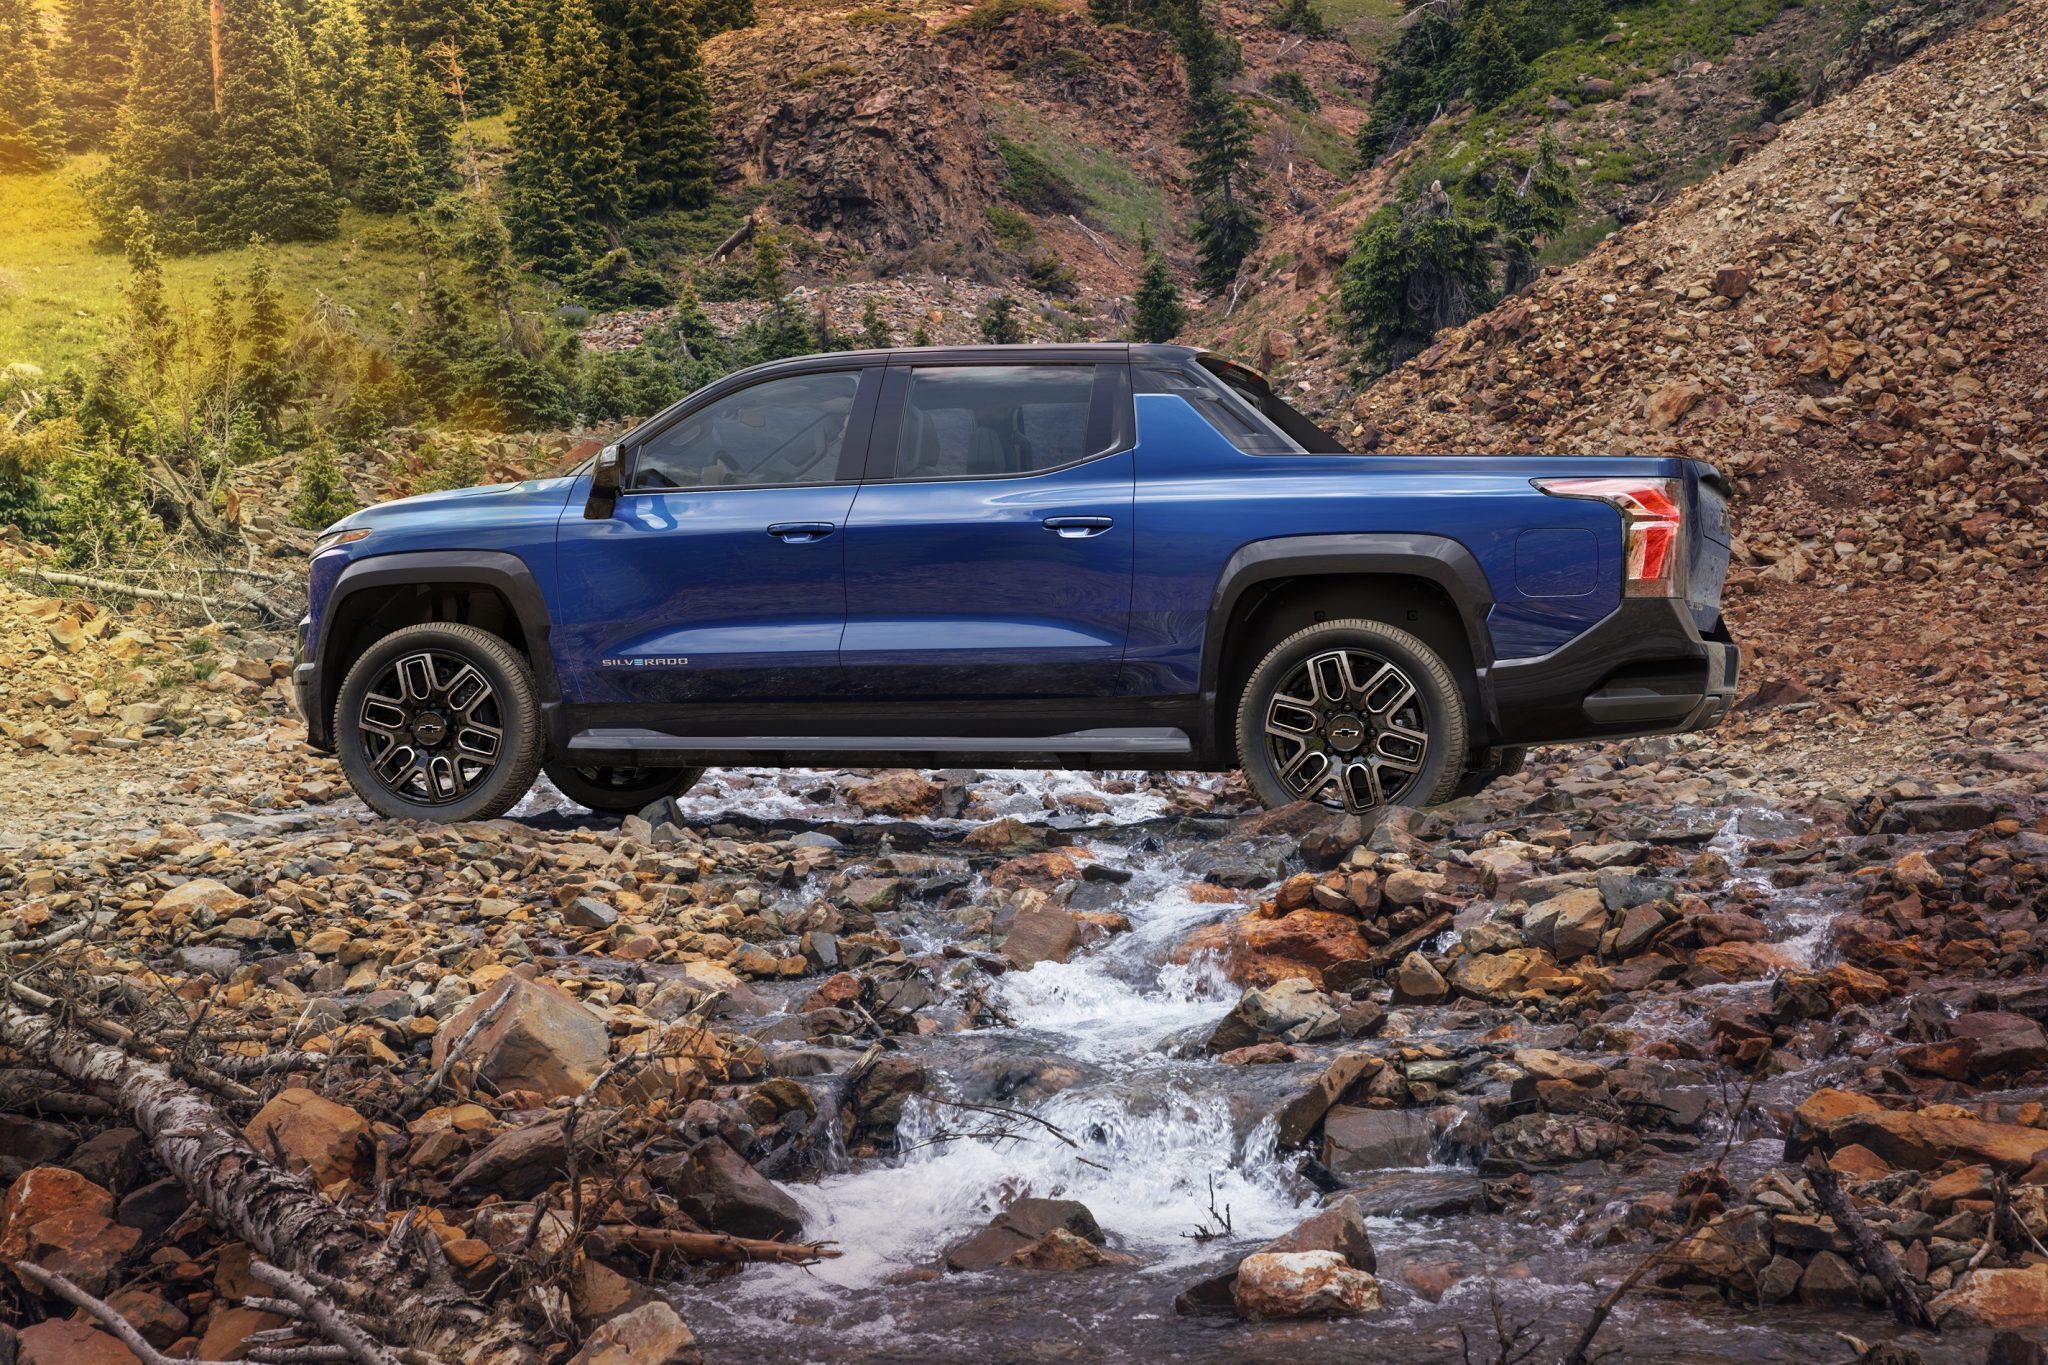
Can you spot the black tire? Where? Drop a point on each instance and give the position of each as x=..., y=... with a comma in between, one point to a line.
x=416, y=713
x=1361, y=714
x=619, y=791
x=1477, y=780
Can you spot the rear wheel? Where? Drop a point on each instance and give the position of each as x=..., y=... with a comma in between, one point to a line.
x=618, y=790
x=439, y=722
x=1352, y=714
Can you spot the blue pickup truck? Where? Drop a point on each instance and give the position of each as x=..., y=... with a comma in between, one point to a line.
x=1111, y=556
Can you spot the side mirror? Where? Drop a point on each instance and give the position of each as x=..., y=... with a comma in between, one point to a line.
x=604, y=486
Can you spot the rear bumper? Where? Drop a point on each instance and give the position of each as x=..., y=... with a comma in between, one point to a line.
x=1644, y=670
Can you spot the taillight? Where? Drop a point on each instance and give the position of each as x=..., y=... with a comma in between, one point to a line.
x=1652, y=517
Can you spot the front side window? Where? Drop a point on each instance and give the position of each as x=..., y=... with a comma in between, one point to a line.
x=784, y=431
x=977, y=421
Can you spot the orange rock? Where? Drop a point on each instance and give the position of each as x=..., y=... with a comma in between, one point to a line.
x=1923, y=1142
x=1999, y=1300
x=1859, y=1162
x=229, y=1328
x=328, y=1141
x=66, y=1341
x=61, y=1221
x=1743, y=961
x=1316, y=938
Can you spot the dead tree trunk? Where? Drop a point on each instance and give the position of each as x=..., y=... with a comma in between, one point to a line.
x=278, y=1214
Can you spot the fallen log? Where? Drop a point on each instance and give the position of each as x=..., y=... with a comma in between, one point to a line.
x=1868, y=1246
x=278, y=1214
x=79, y=580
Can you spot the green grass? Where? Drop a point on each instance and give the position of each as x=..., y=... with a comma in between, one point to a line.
x=989, y=13
x=1117, y=199
x=65, y=288
x=1369, y=24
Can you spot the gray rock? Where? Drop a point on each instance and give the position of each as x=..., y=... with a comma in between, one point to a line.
x=1621, y=890
x=587, y=912
x=1417, y=1194
x=1358, y=1140
x=201, y=959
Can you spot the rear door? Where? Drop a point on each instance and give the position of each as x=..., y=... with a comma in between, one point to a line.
x=722, y=574
x=988, y=554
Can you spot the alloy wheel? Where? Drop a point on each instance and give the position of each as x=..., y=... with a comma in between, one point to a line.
x=432, y=727
x=1347, y=725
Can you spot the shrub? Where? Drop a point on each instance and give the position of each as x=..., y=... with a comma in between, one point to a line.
x=322, y=496
x=999, y=324
x=1299, y=16
x=100, y=510
x=1290, y=87
x=1415, y=267
x=1779, y=87
x=1033, y=182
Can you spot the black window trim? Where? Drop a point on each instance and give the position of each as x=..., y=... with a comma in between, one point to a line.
x=1111, y=419
x=852, y=455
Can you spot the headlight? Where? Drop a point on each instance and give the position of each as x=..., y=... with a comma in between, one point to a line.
x=335, y=538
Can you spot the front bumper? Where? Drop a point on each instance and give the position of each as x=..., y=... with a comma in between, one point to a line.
x=1644, y=670
x=306, y=689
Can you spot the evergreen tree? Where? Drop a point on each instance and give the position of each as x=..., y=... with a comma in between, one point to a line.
x=1590, y=19
x=1493, y=68
x=261, y=178
x=873, y=330
x=163, y=127
x=1419, y=73
x=1299, y=16
x=709, y=18
x=1415, y=267
x=322, y=496
x=1530, y=204
x=479, y=31
x=336, y=89
x=1221, y=135
x=30, y=137
x=999, y=325
x=1157, y=314
x=408, y=148
x=268, y=380
x=568, y=182
x=664, y=109
x=90, y=66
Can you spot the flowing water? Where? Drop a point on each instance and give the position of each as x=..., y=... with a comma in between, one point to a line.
x=1160, y=1142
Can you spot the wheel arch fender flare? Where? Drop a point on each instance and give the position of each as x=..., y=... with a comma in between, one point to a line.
x=505, y=573
x=1439, y=560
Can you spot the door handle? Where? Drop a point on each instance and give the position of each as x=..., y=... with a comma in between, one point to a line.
x=801, y=532
x=1077, y=528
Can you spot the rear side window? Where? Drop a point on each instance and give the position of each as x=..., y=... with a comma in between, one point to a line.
x=988, y=421
x=1230, y=418
x=784, y=431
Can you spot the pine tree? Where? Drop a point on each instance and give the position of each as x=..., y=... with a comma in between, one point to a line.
x=322, y=496
x=1299, y=16
x=268, y=379
x=1531, y=204
x=568, y=181
x=664, y=109
x=709, y=18
x=261, y=178
x=1221, y=135
x=1157, y=314
x=481, y=32
x=163, y=128
x=1493, y=69
x=90, y=67
x=408, y=149
x=999, y=325
x=336, y=90
x=1415, y=267
x=873, y=330
x=30, y=137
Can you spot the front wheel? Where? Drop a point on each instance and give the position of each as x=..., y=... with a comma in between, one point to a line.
x=439, y=722
x=1352, y=714
x=620, y=791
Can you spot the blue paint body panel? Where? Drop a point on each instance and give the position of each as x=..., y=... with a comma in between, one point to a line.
x=952, y=602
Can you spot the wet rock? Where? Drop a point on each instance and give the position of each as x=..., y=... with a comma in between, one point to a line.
x=902, y=793
x=1569, y=924
x=1259, y=1054
x=2002, y=1042
x=1291, y=1011
x=1418, y=982
x=1408, y=886
x=714, y=1185
x=1923, y=1141
x=1942, y=815
x=326, y=1140
x=1300, y=1115
x=1357, y=1141
x=1006, y=836
x=1024, y=1223
x=1417, y=1194
x=1060, y=1249
x=1312, y=938
x=1040, y=933
x=1302, y=1284
x=518, y=1163
x=1497, y=976
x=2011, y=1299
x=540, y=1039
x=651, y=1334
x=1729, y=1255
x=1829, y=1282
x=1778, y=1280
x=1339, y=1227
x=1620, y=890
x=27, y=1142
x=1549, y=1139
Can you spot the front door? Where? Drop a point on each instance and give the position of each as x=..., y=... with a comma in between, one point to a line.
x=988, y=553
x=721, y=575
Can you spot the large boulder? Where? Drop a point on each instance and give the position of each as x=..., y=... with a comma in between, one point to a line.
x=1999, y=1300
x=715, y=1185
x=1317, y=939
x=538, y=1039
x=1357, y=1141
x=1293, y=1010
x=67, y=1341
x=1040, y=933
x=651, y=1334
x=326, y=1140
x=1302, y=1284
x=904, y=793
x=61, y=1221
x=1300, y=1115
x=1923, y=1141
x=2001, y=1042
x=1025, y=1224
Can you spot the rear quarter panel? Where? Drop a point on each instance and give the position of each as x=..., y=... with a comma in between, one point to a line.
x=1554, y=564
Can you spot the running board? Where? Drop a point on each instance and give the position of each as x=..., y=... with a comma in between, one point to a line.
x=1136, y=747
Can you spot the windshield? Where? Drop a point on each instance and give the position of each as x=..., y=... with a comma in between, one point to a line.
x=1258, y=394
